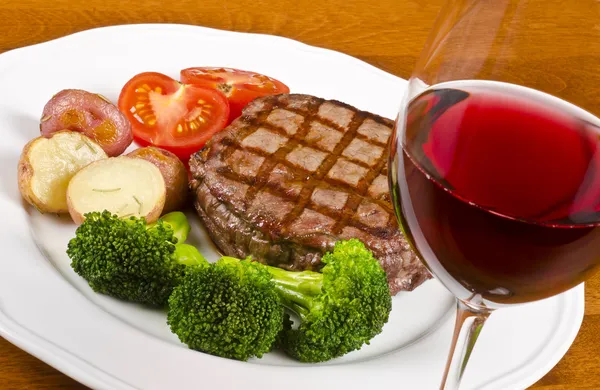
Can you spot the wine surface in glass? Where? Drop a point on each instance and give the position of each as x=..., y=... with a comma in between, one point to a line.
x=500, y=190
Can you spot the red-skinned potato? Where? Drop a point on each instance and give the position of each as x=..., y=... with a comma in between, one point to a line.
x=173, y=171
x=91, y=114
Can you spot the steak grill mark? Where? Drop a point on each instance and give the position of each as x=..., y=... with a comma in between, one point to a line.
x=258, y=183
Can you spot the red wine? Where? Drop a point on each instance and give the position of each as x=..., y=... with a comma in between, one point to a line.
x=500, y=190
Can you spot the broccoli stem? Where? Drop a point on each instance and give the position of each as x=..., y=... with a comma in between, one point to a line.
x=297, y=289
x=188, y=255
x=178, y=223
x=293, y=306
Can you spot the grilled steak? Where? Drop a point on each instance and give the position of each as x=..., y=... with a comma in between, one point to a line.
x=294, y=174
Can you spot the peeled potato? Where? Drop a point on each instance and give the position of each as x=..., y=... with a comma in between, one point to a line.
x=123, y=185
x=47, y=164
x=173, y=171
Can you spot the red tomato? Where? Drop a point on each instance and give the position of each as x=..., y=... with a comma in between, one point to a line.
x=240, y=86
x=171, y=115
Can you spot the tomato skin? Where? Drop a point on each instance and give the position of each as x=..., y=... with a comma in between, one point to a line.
x=240, y=86
x=167, y=114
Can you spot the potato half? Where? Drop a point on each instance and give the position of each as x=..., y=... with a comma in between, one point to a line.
x=125, y=186
x=47, y=165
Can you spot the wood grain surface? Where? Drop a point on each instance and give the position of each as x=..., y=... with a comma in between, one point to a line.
x=389, y=34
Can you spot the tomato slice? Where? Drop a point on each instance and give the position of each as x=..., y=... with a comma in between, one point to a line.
x=170, y=115
x=240, y=86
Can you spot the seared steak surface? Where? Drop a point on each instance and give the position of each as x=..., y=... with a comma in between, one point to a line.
x=294, y=174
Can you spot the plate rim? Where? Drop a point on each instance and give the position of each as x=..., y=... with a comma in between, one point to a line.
x=75, y=366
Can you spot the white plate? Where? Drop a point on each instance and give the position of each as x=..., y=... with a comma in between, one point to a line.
x=50, y=312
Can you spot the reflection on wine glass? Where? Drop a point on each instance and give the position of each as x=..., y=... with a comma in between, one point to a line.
x=495, y=171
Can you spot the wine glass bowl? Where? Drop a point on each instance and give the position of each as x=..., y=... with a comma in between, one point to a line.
x=495, y=161
x=501, y=186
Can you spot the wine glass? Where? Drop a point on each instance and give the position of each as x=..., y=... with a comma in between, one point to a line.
x=495, y=157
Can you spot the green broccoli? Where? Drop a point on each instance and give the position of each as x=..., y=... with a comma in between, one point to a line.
x=131, y=260
x=341, y=308
x=231, y=309
x=178, y=223
x=227, y=310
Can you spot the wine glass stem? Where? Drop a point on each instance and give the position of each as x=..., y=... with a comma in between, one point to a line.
x=469, y=322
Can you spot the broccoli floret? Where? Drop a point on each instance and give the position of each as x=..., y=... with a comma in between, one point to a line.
x=228, y=309
x=234, y=308
x=341, y=308
x=131, y=260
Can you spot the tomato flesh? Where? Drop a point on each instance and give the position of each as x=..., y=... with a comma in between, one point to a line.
x=170, y=115
x=239, y=86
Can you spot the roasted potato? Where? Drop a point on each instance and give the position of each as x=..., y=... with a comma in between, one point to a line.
x=89, y=113
x=173, y=171
x=47, y=165
x=124, y=185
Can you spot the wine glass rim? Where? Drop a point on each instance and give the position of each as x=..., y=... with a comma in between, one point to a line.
x=422, y=86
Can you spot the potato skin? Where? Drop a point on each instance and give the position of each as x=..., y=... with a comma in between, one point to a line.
x=75, y=216
x=90, y=114
x=173, y=171
x=25, y=174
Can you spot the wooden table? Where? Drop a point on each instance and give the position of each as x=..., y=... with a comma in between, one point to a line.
x=386, y=33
